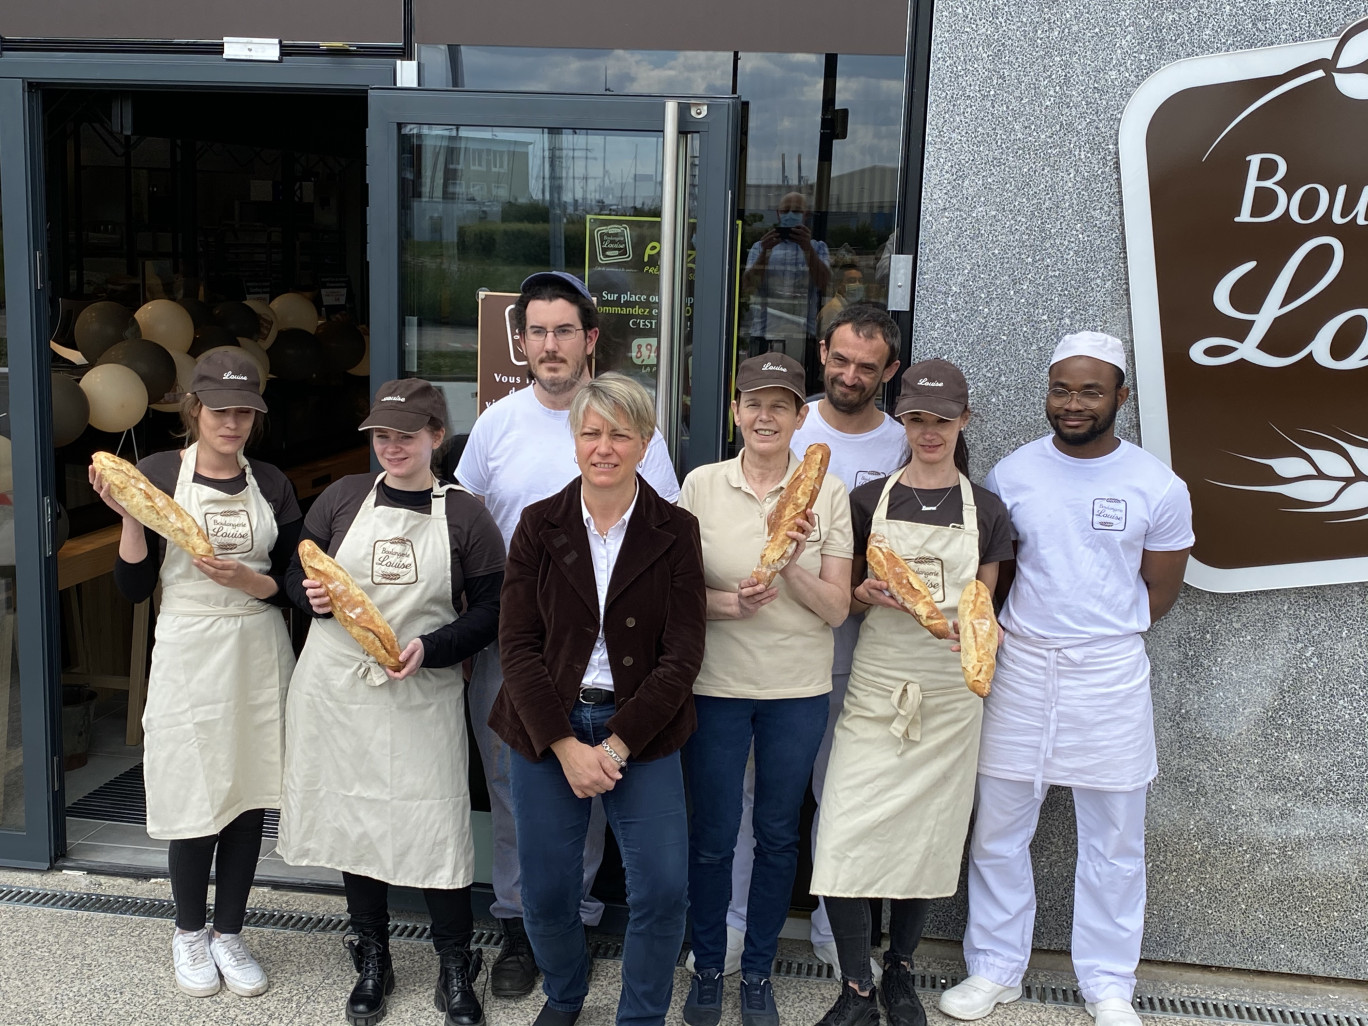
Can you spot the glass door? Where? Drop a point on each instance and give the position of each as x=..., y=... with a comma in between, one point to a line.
x=471, y=192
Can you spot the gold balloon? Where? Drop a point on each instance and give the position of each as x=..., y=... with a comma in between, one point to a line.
x=362, y=369
x=259, y=355
x=185, y=370
x=167, y=323
x=293, y=310
x=269, y=328
x=118, y=397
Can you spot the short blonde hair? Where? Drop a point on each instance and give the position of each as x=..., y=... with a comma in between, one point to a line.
x=619, y=400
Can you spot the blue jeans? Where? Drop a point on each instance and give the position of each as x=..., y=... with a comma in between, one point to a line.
x=647, y=813
x=787, y=733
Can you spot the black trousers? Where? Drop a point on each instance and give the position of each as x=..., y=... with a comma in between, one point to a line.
x=237, y=846
x=453, y=922
x=851, y=926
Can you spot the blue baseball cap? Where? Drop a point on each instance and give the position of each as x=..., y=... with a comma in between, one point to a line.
x=556, y=278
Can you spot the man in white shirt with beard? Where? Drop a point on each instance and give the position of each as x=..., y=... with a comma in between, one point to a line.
x=1103, y=533
x=519, y=452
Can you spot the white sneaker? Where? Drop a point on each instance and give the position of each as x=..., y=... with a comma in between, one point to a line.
x=196, y=973
x=736, y=942
x=975, y=998
x=826, y=952
x=240, y=970
x=1113, y=1012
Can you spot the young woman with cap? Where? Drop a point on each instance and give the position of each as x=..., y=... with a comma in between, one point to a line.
x=212, y=727
x=900, y=783
x=765, y=678
x=375, y=766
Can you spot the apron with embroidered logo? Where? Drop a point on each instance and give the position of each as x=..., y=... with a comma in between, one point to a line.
x=213, y=724
x=900, y=783
x=375, y=769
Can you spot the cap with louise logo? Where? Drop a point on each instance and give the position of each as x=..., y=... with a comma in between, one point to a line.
x=228, y=379
x=933, y=386
x=406, y=405
x=771, y=370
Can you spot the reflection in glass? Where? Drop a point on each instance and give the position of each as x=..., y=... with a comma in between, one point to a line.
x=11, y=736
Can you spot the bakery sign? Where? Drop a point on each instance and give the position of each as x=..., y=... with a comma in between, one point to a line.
x=1245, y=185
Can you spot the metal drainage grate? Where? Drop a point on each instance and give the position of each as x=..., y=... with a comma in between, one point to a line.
x=611, y=949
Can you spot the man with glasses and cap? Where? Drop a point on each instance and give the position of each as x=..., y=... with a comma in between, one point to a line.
x=1103, y=532
x=521, y=451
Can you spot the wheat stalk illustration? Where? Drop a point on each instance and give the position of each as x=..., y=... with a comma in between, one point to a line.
x=1330, y=481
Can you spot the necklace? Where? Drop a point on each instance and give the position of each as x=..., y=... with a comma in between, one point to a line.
x=938, y=505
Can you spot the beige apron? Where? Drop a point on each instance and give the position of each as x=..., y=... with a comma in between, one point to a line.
x=375, y=769
x=212, y=725
x=900, y=783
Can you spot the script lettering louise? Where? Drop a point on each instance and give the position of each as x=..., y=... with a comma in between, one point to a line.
x=1263, y=200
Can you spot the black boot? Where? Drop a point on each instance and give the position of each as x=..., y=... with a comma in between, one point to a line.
x=456, y=987
x=852, y=1009
x=515, y=970
x=900, y=999
x=371, y=955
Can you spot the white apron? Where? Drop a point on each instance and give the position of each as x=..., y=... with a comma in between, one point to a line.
x=1074, y=713
x=212, y=726
x=900, y=784
x=375, y=769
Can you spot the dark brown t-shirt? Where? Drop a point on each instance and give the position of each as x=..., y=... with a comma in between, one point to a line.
x=994, y=524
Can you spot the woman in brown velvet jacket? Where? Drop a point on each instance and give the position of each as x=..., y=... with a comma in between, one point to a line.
x=601, y=636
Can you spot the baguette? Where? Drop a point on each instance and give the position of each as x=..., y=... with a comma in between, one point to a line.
x=979, y=633
x=150, y=506
x=904, y=584
x=795, y=500
x=351, y=606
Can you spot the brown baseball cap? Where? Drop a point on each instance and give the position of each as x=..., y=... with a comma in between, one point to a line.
x=933, y=386
x=406, y=405
x=227, y=380
x=771, y=370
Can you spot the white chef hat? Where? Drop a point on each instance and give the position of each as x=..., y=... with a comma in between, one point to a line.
x=1091, y=343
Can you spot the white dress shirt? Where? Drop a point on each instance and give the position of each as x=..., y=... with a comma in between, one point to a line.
x=604, y=548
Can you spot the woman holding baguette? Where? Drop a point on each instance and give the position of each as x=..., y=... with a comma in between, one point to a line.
x=375, y=757
x=765, y=676
x=900, y=784
x=213, y=723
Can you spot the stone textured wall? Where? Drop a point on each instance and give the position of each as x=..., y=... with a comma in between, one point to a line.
x=1258, y=822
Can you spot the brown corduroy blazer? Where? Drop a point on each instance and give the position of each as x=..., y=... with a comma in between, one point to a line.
x=654, y=623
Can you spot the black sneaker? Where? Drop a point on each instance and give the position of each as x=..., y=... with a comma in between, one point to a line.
x=514, y=972
x=757, y=1001
x=703, y=1006
x=852, y=1009
x=899, y=997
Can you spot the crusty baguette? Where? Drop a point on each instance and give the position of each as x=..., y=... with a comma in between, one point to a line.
x=150, y=506
x=904, y=584
x=351, y=606
x=795, y=500
x=978, y=631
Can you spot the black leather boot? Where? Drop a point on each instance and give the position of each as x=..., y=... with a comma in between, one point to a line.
x=515, y=970
x=371, y=955
x=456, y=987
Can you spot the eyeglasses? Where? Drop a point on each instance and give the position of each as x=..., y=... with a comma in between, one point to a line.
x=562, y=334
x=1088, y=398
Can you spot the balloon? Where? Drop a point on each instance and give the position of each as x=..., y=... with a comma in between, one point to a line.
x=153, y=363
x=343, y=345
x=239, y=318
x=63, y=527
x=267, y=326
x=362, y=369
x=185, y=372
x=296, y=355
x=101, y=325
x=295, y=311
x=211, y=336
x=70, y=410
x=166, y=322
x=259, y=355
x=118, y=397
x=199, y=312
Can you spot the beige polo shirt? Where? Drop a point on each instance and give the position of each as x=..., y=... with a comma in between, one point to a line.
x=785, y=649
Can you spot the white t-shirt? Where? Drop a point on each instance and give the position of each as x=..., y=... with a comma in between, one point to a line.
x=1081, y=527
x=519, y=452
x=855, y=459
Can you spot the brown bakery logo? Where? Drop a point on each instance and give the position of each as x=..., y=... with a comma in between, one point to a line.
x=229, y=531
x=393, y=561
x=932, y=572
x=1245, y=184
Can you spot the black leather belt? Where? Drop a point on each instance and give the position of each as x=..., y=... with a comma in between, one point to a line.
x=596, y=696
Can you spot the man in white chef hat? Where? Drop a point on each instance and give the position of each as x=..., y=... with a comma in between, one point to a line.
x=1103, y=532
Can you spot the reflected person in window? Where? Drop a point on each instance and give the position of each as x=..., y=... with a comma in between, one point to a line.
x=787, y=271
